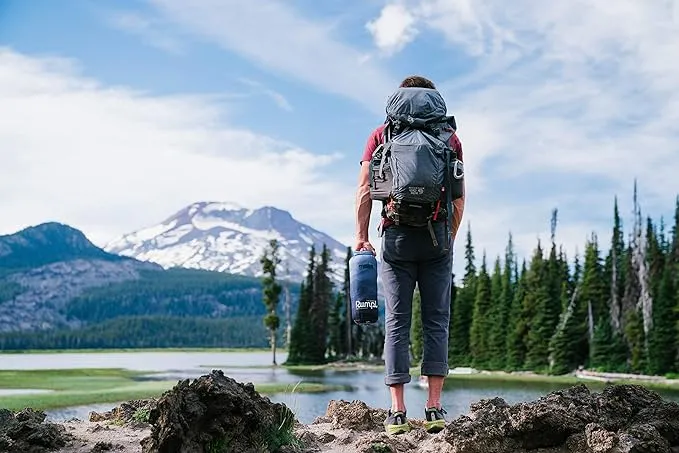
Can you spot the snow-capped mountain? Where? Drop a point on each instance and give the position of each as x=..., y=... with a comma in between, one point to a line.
x=229, y=238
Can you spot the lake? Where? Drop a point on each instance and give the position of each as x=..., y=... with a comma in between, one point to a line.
x=253, y=367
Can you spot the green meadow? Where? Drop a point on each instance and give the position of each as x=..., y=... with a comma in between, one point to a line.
x=74, y=387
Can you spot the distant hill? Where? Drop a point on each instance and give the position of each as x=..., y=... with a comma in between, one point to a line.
x=227, y=237
x=48, y=243
x=57, y=289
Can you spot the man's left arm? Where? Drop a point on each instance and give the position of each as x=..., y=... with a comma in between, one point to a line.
x=458, y=205
x=458, y=210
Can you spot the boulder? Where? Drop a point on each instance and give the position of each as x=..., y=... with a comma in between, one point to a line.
x=216, y=413
x=26, y=431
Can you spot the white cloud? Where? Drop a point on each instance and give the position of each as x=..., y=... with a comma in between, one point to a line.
x=109, y=160
x=148, y=29
x=279, y=39
x=579, y=97
x=393, y=29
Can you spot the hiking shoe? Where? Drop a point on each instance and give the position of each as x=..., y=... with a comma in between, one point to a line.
x=396, y=423
x=434, y=421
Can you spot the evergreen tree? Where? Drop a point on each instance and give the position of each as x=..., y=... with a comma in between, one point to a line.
x=458, y=348
x=272, y=290
x=615, y=272
x=299, y=336
x=674, y=247
x=554, y=280
x=593, y=290
x=497, y=315
x=608, y=350
x=416, y=339
x=338, y=330
x=673, y=263
x=655, y=257
x=506, y=300
x=347, y=321
x=662, y=349
x=320, y=306
x=536, y=305
x=478, y=340
x=517, y=327
x=335, y=327
x=569, y=340
x=451, y=319
x=633, y=327
x=302, y=336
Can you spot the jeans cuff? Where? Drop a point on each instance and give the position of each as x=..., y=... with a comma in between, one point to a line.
x=434, y=369
x=397, y=378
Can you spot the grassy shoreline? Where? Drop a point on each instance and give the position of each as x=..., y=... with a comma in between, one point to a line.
x=563, y=380
x=77, y=387
x=501, y=377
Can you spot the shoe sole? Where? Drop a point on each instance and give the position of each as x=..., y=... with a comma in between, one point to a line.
x=435, y=426
x=397, y=429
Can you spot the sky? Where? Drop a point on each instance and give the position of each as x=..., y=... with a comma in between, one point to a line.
x=116, y=114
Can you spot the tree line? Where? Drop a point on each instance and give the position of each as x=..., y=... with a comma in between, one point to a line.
x=613, y=311
x=146, y=332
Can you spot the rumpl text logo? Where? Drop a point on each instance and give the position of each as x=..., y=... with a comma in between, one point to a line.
x=363, y=304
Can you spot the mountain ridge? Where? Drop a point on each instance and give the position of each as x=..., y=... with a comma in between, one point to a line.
x=47, y=243
x=227, y=237
x=58, y=288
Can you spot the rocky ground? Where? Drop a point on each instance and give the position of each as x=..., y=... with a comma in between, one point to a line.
x=215, y=414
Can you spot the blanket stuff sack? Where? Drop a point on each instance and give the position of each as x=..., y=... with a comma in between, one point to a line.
x=363, y=287
x=415, y=172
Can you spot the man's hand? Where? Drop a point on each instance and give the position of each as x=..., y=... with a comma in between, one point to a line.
x=458, y=210
x=364, y=245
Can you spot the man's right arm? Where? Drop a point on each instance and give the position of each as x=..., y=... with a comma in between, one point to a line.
x=363, y=203
x=363, y=200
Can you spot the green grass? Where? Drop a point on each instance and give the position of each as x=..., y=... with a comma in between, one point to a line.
x=545, y=379
x=78, y=387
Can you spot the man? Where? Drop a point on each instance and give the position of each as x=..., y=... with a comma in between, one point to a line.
x=410, y=257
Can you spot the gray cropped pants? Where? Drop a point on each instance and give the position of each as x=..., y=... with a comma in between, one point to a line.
x=409, y=257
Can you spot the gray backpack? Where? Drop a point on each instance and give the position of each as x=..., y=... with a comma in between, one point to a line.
x=415, y=172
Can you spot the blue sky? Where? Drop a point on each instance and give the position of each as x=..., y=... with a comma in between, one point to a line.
x=118, y=113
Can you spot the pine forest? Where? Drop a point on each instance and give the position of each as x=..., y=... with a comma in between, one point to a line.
x=613, y=311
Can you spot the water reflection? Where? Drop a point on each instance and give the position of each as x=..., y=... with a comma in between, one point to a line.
x=8, y=392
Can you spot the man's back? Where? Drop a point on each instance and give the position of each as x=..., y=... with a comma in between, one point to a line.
x=410, y=258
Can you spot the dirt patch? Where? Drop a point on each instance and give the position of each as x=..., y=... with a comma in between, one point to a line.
x=98, y=437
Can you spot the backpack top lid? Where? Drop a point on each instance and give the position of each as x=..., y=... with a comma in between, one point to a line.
x=418, y=107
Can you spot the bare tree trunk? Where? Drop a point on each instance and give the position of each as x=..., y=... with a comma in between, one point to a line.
x=273, y=346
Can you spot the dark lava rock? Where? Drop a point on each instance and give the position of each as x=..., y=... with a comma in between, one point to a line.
x=216, y=413
x=620, y=419
x=26, y=432
x=101, y=447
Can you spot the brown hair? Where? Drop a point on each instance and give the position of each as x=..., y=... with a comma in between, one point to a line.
x=417, y=82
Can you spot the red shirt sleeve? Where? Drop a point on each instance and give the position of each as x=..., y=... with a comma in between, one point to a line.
x=373, y=142
x=457, y=146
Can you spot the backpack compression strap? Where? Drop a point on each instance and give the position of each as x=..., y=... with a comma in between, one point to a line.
x=449, y=201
